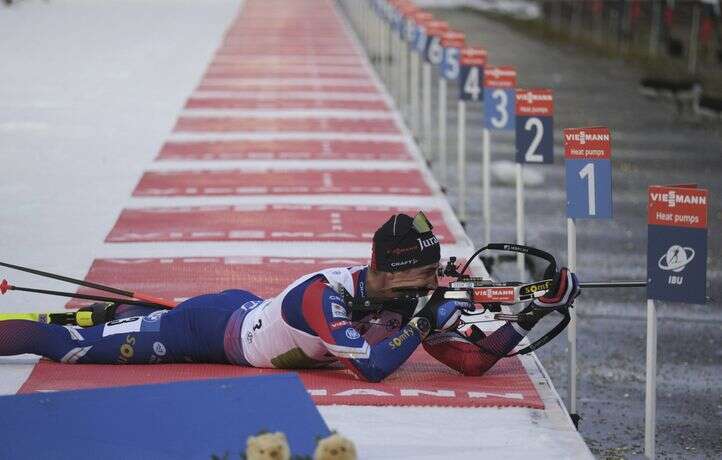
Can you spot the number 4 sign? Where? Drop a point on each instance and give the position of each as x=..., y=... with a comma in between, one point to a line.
x=472, y=73
x=534, y=126
x=588, y=153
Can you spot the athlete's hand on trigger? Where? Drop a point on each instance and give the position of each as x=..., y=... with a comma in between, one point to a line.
x=443, y=314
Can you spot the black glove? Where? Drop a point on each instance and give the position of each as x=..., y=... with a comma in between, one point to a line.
x=561, y=294
x=443, y=313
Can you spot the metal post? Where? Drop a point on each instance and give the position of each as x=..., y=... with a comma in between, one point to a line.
x=650, y=400
x=461, y=160
x=520, y=217
x=403, y=78
x=426, y=104
x=694, y=40
x=572, y=327
x=415, y=122
x=486, y=182
x=654, y=31
x=443, y=173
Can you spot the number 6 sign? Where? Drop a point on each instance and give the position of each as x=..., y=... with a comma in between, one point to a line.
x=534, y=126
x=587, y=154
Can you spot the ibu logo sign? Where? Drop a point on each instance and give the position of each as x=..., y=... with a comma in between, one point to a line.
x=534, y=126
x=471, y=75
x=434, y=52
x=451, y=42
x=677, y=243
x=499, y=98
x=587, y=154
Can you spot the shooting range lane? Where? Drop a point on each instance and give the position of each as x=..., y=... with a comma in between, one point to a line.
x=259, y=223
x=284, y=150
x=285, y=182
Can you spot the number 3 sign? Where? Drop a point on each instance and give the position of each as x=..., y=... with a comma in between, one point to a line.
x=587, y=154
x=499, y=84
x=534, y=126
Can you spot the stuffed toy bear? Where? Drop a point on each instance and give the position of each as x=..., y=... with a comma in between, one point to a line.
x=335, y=447
x=268, y=446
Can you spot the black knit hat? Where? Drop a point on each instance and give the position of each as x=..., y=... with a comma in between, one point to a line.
x=403, y=243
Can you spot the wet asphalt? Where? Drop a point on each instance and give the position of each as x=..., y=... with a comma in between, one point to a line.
x=652, y=144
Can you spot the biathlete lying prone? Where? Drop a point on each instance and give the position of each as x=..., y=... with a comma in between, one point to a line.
x=315, y=321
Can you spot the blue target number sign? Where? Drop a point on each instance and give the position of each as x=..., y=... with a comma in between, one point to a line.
x=499, y=98
x=534, y=126
x=433, y=51
x=587, y=154
x=471, y=75
x=451, y=44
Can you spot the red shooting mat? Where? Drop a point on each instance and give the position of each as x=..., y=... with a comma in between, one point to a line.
x=315, y=223
x=284, y=150
x=284, y=182
x=182, y=277
x=421, y=381
x=308, y=125
x=264, y=72
x=280, y=103
x=283, y=87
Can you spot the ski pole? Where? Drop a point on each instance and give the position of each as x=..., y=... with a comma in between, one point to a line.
x=101, y=287
x=5, y=286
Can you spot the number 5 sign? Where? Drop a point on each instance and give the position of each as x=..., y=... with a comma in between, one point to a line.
x=588, y=154
x=499, y=84
x=472, y=74
x=534, y=126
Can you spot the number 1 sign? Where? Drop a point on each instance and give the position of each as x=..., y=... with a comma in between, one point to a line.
x=588, y=153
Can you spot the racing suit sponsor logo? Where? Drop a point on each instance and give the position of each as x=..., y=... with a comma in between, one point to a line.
x=396, y=342
x=338, y=311
x=352, y=333
x=159, y=349
x=126, y=350
x=336, y=325
x=249, y=337
x=155, y=316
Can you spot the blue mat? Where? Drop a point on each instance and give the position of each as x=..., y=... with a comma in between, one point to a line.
x=178, y=420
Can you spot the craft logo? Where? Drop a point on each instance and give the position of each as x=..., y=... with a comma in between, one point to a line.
x=428, y=242
x=584, y=137
x=672, y=198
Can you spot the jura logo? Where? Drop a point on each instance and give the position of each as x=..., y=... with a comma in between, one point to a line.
x=427, y=243
x=672, y=198
x=584, y=137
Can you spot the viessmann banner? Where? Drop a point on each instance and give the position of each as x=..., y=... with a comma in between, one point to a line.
x=677, y=243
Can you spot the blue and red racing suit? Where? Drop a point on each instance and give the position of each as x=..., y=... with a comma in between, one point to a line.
x=308, y=325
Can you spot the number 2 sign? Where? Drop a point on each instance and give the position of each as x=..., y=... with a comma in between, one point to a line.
x=499, y=84
x=534, y=126
x=587, y=154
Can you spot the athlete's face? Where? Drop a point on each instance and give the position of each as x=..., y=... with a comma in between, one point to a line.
x=419, y=278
